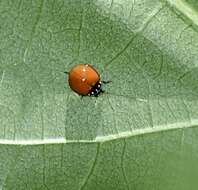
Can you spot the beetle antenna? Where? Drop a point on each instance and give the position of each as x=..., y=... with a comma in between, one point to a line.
x=106, y=82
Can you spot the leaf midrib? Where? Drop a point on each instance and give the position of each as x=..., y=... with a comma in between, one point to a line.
x=107, y=138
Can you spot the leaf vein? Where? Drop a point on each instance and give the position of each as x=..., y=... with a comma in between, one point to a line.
x=92, y=168
x=33, y=30
x=133, y=38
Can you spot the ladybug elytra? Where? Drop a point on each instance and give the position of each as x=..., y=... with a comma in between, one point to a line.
x=85, y=80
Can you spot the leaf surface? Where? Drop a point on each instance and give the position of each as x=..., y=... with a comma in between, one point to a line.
x=140, y=134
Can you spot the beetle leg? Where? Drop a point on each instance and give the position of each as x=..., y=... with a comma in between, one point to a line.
x=81, y=97
x=102, y=91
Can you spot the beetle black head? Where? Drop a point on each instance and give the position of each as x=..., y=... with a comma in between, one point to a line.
x=96, y=89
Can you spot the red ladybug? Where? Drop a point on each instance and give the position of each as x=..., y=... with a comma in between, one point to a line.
x=85, y=80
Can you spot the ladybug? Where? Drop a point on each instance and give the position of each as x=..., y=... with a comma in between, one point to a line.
x=85, y=80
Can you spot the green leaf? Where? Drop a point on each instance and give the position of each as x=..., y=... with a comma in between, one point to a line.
x=141, y=134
